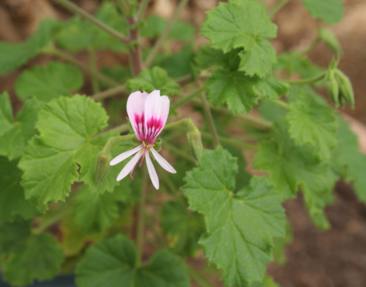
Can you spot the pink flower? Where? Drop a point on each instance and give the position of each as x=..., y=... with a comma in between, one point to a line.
x=148, y=114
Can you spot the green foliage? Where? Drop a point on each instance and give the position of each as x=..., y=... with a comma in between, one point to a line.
x=182, y=227
x=240, y=227
x=77, y=34
x=312, y=122
x=112, y=262
x=62, y=80
x=14, y=55
x=55, y=159
x=296, y=169
x=96, y=212
x=154, y=79
x=12, y=199
x=330, y=11
x=340, y=88
x=40, y=258
x=13, y=236
x=243, y=24
x=348, y=161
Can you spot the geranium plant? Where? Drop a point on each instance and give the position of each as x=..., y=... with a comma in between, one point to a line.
x=239, y=127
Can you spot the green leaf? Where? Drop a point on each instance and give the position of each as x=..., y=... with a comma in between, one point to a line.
x=52, y=161
x=77, y=34
x=39, y=259
x=14, y=55
x=232, y=217
x=48, y=82
x=243, y=24
x=178, y=64
x=182, y=227
x=312, y=122
x=239, y=92
x=96, y=212
x=330, y=11
x=12, y=199
x=348, y=161
x=112, y=262
x=296, y=169
x=14, y=133
x=154, y=79
x=13, y=236
x=258, y=60
x=330, y=39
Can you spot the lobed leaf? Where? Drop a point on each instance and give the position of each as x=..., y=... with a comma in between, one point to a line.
x=112, y=262
x=240, y=226
x=330, y=11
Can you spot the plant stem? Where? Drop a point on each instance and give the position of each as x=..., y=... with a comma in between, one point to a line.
x=77, y=10
x=109, y=93
x=197, y=277
x=186, y=99
x=211, y=121
x=164, y=35
x=135, y=51
x=141, y=221
x=94, y=68
x=180, y=153
x=278, y=6
x=71, y=59
x=142, y=9
x=48, y=222
x=240, y=143
x=310, y=80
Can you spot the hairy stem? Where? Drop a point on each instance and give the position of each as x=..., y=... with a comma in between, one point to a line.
x=164, y=35
x=197, y=277
x=210, y=119
x=142, y=9
x=52, y=219
x=278, y=6
x=94, y=70
x=109, y=93
x=135, y=51
x=310, y=80
x=69, y=5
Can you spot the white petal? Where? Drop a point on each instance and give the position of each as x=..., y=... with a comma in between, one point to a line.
x=121, y=157
x=152, y=106
x=152, y=172
x=164, y=110
x=136, y=106
x=128, y=168
x=163, y=162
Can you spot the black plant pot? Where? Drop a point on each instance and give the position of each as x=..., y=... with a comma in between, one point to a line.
x=66, y=281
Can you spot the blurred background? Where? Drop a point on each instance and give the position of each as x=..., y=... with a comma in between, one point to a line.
x=334, y=258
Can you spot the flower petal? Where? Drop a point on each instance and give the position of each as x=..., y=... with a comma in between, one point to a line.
x=127, y=169
x=163, y=162
x=121, y=157
x=152, y=172
x=135, y=109
x=164, y=113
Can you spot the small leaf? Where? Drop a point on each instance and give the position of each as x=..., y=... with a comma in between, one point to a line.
x=330, y=11
x=312, y=122
x=39, y=259
x=112, y=263
x=154, y=79
x=328, y=37
x=48, y=82
x=231, y=217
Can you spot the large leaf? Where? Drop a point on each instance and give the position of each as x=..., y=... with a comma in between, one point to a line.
x=13, y=236
x=40, y=258
x=54, y=159
x=112, y=263
x=243, y=24
x=48, y=82
x=330, y=11
x=240, y=225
